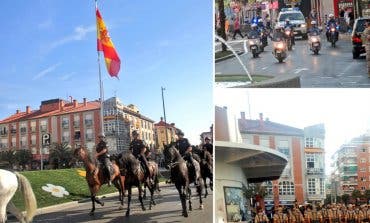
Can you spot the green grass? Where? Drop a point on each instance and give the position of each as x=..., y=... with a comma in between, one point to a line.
x=239, y=78
x=75, y=184
x=221, y=54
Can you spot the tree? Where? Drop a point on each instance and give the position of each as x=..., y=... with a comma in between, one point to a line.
x=356, y=194
x=221, y=29
x=9, y=157
x=60, y=155
x=367, y=194
x=23, y=157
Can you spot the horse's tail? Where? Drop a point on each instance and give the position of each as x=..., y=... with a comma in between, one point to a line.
x=28, y=196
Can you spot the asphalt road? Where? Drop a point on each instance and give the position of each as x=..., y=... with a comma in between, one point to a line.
x=333, y=67
x=168, y=209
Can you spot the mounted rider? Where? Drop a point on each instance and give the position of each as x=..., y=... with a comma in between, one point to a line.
x=291, y=27
x=138, y=149
x=185, y=149
x=103, y=157
x=208, y=146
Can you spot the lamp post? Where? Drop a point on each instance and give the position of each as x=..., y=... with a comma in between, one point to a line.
x=164, y=114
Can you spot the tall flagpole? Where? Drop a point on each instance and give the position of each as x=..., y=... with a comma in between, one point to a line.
x=100, y=83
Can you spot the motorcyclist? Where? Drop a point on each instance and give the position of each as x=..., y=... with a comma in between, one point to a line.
x=290, y=26
x=331, y=22
x=254, y=32
x=314, y=30
x=278, y=34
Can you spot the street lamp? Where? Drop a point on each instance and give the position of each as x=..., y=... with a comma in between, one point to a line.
x=164, y=114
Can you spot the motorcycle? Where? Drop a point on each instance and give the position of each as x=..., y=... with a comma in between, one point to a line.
x=254, y=44
x=333, y=34
x=279, y=50
x=315, y=44
x=264, y=35
x=288, y=37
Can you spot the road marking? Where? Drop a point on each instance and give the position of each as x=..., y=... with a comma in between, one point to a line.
x=326, y=77
x=354, y=76
x=300, y=70
x=264, y=68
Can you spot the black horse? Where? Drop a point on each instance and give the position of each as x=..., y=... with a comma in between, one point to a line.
x=135, y=177
x=206, y=167
x=182, y=176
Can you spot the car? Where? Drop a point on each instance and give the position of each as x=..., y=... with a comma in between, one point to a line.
x=358, y=40
x=296, y=18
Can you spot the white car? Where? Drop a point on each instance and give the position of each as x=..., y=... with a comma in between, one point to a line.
x=297, y=20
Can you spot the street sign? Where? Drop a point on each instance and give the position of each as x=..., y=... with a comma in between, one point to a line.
x=45, y=139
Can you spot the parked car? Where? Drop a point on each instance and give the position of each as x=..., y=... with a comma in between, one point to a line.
x=358, y=40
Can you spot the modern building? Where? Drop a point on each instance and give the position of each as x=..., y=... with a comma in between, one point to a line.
x=56, y=121
x=351, y=166
x=164, y=134
x=315, y=162
x=287, y=140
x=205, y=135
x=121, y=120
x=238, y=164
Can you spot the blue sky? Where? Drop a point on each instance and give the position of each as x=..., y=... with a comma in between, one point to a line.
x=48, y=50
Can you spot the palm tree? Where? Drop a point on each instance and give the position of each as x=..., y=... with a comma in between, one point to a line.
x=221, y=30
x=9, y=157
x=23, y=157
x=60, y=155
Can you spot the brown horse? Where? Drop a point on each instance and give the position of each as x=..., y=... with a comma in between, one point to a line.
x=95, y=178
x=135, y=177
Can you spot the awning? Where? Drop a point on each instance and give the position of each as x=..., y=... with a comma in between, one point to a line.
x=257, y=162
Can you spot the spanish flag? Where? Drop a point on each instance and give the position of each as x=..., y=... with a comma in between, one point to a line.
x=105, y=44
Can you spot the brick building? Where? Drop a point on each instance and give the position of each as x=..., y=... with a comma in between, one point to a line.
x=287, y=140
x=160, y=134
x=351, y=166
x=70, y=122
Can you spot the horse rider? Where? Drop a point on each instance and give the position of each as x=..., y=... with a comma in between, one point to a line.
x=261, y=216
x=298, y=215
x=184, y=148
x=208, y=146
x=138, y=148
x=103, y=156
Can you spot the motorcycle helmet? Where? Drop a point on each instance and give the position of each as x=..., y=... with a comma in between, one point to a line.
x=287, y=20
x=254, y=25
x=313, y=22
x=331, y=16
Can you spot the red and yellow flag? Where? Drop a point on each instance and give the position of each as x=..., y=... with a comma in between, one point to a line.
x=105, y=44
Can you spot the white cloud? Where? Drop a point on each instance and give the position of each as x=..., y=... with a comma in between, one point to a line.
x=45, y=71
x=78, y=34
x=66, y=76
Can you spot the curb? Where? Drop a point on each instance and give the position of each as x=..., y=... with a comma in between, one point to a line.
x=227, y=57
x=284, y=81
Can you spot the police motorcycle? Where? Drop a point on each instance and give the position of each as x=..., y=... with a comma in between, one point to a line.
x=332, y=30
x=314, y=40
x=254, y=42
x=264, y=33
x=288, y=37
x=279, y=46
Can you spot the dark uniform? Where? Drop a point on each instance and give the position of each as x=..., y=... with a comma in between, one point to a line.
x=104, y=158
x=208, y=147
x=182, y=146
x=136, y=146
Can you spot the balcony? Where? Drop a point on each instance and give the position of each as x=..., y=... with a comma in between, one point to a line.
x=88, y=122
x=349, y=183
x=315, y=171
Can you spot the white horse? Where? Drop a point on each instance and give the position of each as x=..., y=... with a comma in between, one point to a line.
x=9, y=182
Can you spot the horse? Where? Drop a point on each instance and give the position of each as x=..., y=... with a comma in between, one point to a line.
x=182, y=176
x=206, y=169
x=135, y=177
x=95, y=177
x=154, y=174
x=9, y=182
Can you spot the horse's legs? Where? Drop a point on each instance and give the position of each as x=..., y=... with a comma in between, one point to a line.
x=199, y=190
x=182, y=194
x=144, y=197
x=189, y=194
x=93, y=204
x=140, y=196
x=205, y=187
x=15, y=211
x=128, y=201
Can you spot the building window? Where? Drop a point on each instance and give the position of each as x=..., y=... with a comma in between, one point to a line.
x=363, y=150
x=43, y=126
x=322, y=186
x=286, y=188
x=363, y=188
x=311, y=186
x=309, y=142
x=363, y=160
x=268, y=186
x=65, y=123
x=88, y=120
x=264, y=142
x=77, y=135
x=310, y=160
x=89, y=134
x=363, y=179
x=65, y=137
x=33, y=139
x=283, y=147
x=363, y=169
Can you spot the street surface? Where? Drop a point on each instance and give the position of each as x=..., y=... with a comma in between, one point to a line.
x=168, y=209
x=333, y=67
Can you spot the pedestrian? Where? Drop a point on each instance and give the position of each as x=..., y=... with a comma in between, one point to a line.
x=367, y=46
x=237, y=28
x=227, y=26
x=103, y=157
